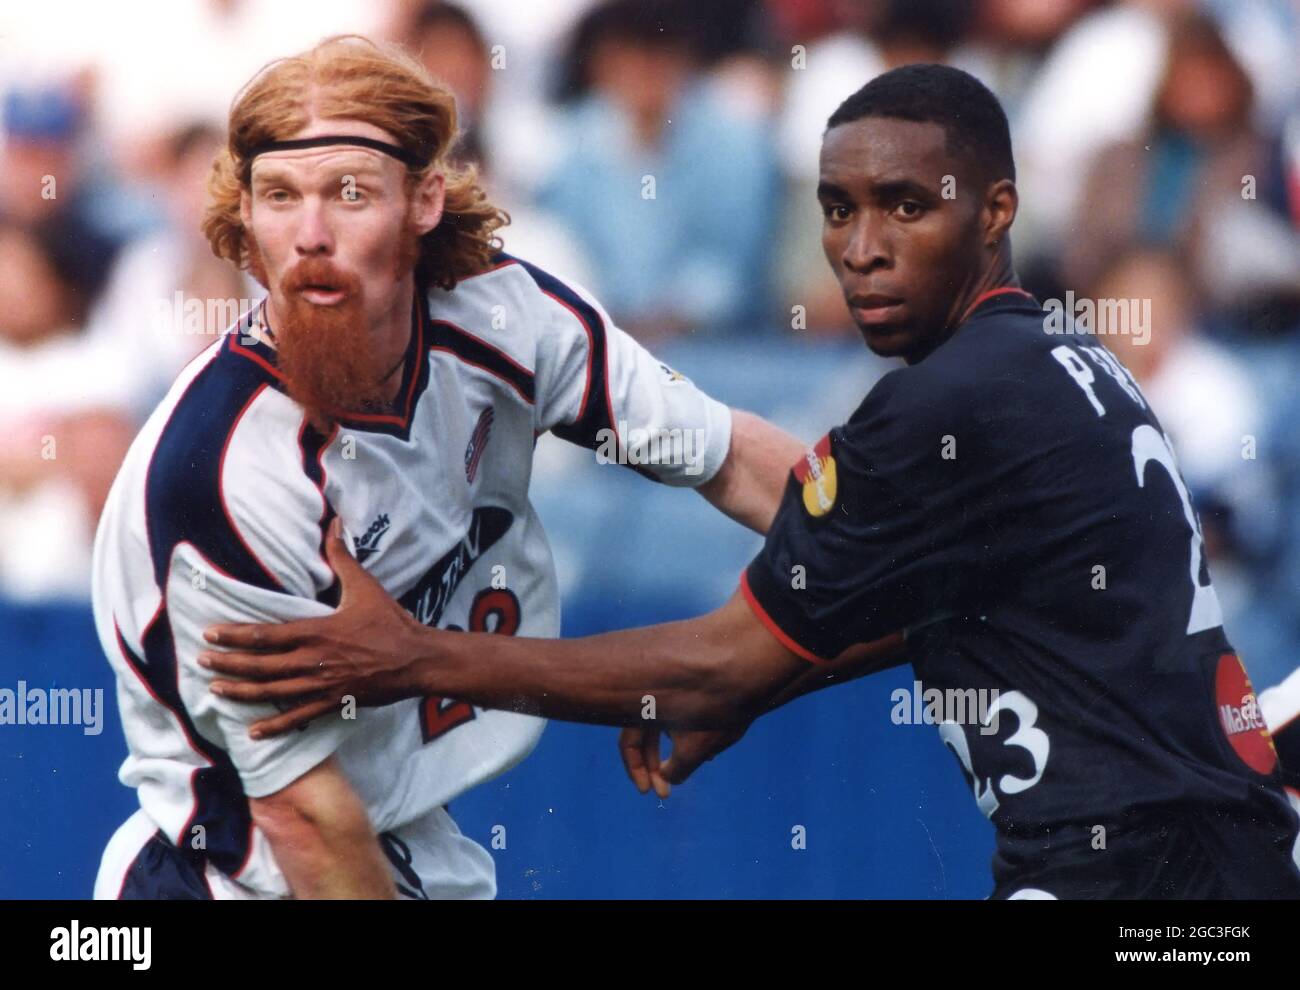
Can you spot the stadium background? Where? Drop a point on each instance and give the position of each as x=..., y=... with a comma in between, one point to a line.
x=1136, y=124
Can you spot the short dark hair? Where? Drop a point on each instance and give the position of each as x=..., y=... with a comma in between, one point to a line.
x=971, y=116
x=439, y=13
x=659, y=24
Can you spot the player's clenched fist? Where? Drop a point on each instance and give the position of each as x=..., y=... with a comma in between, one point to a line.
x=639, y=747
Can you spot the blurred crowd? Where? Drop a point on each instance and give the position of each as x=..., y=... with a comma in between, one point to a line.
x=663, y=153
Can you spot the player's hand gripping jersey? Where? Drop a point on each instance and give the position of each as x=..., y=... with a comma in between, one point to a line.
x=1013, y=503
x=219, y=513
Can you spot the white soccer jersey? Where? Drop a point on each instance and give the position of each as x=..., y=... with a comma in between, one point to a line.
x=219, y=514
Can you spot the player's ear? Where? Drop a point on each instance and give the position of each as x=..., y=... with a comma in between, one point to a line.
x=246, y=209
x=428, y=197
x=1001, y=201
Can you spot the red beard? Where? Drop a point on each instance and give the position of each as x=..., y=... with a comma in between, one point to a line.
x=325, y=353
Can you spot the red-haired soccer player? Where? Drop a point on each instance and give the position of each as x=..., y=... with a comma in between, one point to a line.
x=395, y=378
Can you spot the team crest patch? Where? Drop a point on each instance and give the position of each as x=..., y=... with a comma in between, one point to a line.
x=674, y=377
x=1239, y=714
x=477, y=441
x=816, y=472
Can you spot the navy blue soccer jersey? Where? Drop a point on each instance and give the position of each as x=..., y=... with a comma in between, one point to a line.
x=1013, y=505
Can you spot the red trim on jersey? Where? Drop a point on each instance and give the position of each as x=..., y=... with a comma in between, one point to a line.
x=148, y=470
x=324, y=479
x=591, y=355
x=248, y=855
x=482, y=367
x=491, y=347
x=781, y=636
x=983, y=296
x=590, y=361
x=256, y=358
x=161, y=609
x=221, y=485
x=130, y=866
x=180, y=722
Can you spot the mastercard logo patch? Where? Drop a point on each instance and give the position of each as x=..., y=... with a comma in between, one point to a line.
x=816, y=472
x=1240, y=716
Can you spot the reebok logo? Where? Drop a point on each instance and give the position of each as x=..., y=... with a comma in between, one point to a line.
x=367, y=543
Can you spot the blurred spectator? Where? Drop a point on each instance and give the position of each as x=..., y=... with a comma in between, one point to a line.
x=1095, y=87
x=47, y=180
x=1187, y=182
x=1207, y=404
x=160, y=63
x=1265, y=36
x=1013, y=37
x=450, y=44
x=674, y=196
x=1098, y=87
x=168, y=296
x=523, y=39
x=62, y=401
x=1202, y=395
x=872, y=38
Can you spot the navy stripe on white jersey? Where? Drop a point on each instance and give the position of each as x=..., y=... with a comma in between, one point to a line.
x=219, y=514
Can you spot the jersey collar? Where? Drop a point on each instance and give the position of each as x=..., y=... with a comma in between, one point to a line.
x=1007, y=296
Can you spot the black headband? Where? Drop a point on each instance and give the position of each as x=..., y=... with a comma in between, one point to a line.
x=401, y=154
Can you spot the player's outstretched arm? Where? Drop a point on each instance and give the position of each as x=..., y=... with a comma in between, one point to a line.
x=639, y=745
x=720, y=670
x=749, y=485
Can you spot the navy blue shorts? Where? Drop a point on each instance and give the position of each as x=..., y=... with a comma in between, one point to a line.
x=1194, y=856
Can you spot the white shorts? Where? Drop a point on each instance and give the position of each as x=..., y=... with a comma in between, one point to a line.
x=430, y=860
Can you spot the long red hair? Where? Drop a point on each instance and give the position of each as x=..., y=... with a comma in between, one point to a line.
x=352, y=77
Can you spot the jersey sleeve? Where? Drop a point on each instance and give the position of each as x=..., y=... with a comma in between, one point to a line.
x=876, y=532
x=244, y=546
x=199, y=595
x=600, y=389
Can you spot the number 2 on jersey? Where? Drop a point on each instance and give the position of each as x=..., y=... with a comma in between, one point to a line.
x=1149, y=445
x=494, y=610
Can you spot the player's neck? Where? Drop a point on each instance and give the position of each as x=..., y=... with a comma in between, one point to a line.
x=998, y=275
x=392, y=335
